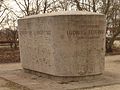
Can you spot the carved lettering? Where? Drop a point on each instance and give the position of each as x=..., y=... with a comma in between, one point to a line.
x=36, y=32
x=86, y=34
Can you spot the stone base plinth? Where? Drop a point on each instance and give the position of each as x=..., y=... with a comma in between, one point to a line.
x=63, y=79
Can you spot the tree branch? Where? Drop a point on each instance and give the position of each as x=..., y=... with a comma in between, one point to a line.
x=20, y=7
x=78, y=5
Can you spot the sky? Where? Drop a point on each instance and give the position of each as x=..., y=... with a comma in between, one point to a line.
x=12, y=5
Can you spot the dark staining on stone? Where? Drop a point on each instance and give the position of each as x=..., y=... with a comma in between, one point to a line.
x=37, y=61
x=62, y=36
x=43, y=59
x=102, y=49
x=50, y=65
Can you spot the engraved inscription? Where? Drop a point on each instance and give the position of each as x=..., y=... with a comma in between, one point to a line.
x=36, y=32
x=44, y=35
x=86, y=34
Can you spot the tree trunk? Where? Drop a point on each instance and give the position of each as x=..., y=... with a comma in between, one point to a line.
x=78, y=5
x=45, y=7
x=94, y=7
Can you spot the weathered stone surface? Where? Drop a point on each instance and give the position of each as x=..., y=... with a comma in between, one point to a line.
x=63, y=44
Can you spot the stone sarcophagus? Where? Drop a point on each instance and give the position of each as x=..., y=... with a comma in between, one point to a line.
x=63, y=43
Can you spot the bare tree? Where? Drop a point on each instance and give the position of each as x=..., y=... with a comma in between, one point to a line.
x=31, y=7
x=113, y=19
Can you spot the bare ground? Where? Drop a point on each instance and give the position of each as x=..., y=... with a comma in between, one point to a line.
x=8, y=85
x=112, y=67
x=8, y=55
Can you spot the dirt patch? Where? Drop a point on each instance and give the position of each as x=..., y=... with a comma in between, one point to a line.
x=9, y=55
x=14, y=86
x=8, y=85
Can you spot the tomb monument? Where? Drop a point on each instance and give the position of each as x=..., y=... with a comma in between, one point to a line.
x=63, y=44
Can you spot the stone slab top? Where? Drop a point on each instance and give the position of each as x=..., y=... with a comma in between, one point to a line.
x=63, y=13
